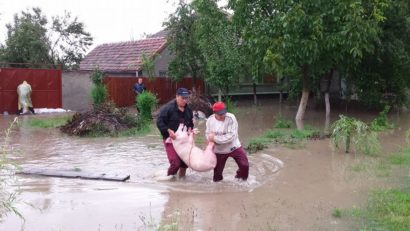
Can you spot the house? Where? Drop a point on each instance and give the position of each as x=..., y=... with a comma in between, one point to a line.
x=125, y=58
x=122, y=62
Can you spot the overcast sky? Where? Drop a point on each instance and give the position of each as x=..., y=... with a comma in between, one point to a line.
x=107, y=20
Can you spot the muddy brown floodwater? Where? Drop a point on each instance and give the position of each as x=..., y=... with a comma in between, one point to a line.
x=288, y=189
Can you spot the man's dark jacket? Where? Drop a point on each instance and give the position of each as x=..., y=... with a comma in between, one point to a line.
x=170, y=117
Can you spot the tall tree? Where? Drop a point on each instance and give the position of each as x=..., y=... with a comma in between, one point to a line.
x=31, y=39
x=219, y=44
x=27, y=40
x=187, y=60
x=308, y=38
x=68, y=40
x=383, y=77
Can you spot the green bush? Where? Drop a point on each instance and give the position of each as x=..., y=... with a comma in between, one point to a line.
x=346, y=129
x=381, y=122
x=146, y=102
x=99, y=94
x=97, y=77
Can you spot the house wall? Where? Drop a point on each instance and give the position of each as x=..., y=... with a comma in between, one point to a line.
x=161, y=67
x=76, y=88
x=162, y=62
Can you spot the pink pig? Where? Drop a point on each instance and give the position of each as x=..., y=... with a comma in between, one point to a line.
x=197, y=159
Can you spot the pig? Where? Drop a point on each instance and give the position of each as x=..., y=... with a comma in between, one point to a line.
x=196, y=158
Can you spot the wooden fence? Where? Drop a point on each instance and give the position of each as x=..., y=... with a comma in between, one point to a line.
x=121, y=92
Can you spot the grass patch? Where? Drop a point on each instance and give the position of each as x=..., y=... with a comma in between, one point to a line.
x=48, y=122
x=360, y=167
x=274, y=134
x=257, y=144
x=282, y=123
x=388, y=209
x=136, y=131
x=383, y=169
x=400, y=158
x=171, y=223
x=337, y=213
x=290, y=138
x=294, y=143
x=304, y=134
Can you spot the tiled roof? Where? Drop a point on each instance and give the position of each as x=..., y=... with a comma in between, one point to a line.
x=162, y=33
x=123, y=56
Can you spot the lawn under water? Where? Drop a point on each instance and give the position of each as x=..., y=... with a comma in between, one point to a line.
x=287, y=189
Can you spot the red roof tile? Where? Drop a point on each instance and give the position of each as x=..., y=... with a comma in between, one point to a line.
x=123, y=56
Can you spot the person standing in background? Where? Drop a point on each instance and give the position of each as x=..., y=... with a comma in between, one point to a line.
x=24, y=98
x=139, y=87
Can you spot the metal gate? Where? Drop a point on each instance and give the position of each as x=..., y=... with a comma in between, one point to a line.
x=45, y=84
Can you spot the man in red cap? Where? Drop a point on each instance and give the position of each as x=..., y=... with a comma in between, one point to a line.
x=222, y=128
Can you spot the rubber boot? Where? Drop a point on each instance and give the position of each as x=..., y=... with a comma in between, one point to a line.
x=31, y=109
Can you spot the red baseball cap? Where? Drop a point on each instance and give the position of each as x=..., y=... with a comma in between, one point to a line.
x=219, y=108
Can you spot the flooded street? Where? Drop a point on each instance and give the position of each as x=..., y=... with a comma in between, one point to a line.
x=288, y=189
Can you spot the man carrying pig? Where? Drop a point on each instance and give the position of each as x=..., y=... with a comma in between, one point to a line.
x=222, y=129
x=170, y=116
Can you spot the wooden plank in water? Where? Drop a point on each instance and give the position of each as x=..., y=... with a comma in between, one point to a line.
x=75, y=174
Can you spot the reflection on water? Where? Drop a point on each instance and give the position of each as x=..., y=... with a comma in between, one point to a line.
x=74, y=204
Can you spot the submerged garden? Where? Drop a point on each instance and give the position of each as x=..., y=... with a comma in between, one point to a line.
x=329, y=151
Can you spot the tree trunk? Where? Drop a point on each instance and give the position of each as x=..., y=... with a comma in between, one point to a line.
x=327, y=101
x=327, y=126
x=302, y=108
x=327, y=120
x=347, y=143
x=305, y=97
